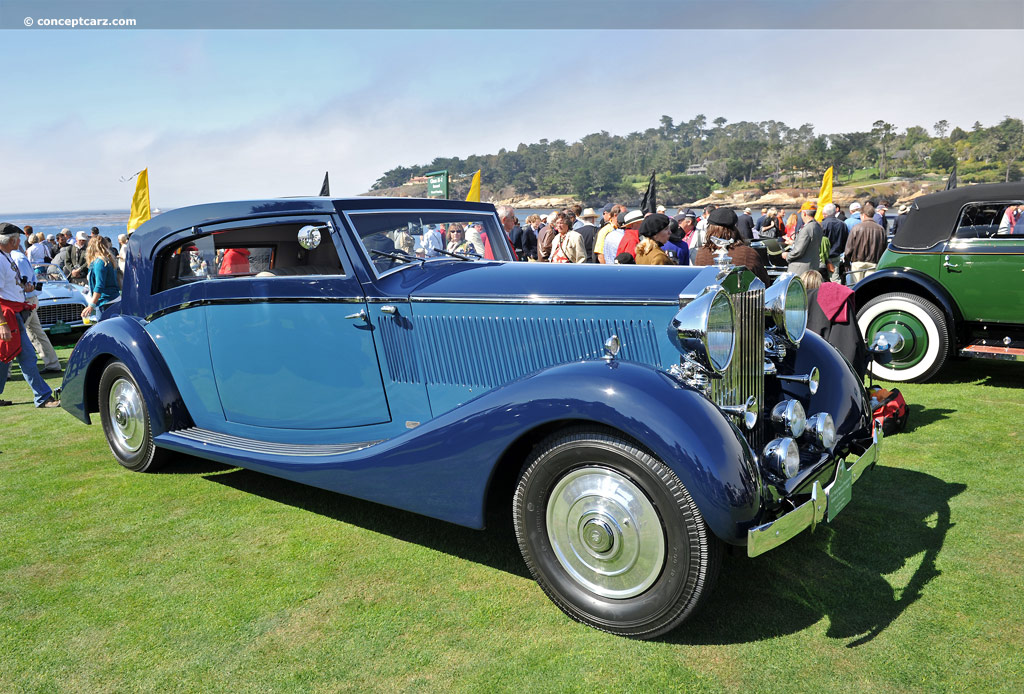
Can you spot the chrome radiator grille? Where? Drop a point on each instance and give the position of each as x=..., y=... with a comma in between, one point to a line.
x=745, y=375
x=51, y=313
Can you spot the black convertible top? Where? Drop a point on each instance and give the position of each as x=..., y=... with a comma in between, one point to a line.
x=932, y=217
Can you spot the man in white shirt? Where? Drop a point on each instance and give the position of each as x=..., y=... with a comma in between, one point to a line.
x=36, y=334
x=38, y=252
x=432, y=240
x=13, y=290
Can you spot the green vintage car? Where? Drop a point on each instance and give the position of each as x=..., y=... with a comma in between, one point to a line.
x=950, y=283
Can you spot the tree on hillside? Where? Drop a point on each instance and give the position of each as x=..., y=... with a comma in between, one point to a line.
x=883, y=134
x=941, y=128
x=1008, y=138
x=942, y=157
x=915, y=134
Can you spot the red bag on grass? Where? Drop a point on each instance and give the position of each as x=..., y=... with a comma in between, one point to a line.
x=889, y=409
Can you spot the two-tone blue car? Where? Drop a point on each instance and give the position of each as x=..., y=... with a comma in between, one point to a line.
x=635, y=421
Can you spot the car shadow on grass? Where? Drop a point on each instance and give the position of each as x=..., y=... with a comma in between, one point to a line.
x=897, y=518
x=920, y=416
x=495, y=546
x=988, y=372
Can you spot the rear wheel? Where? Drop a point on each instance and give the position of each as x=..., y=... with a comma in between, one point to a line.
x=925, y=335
x=611, y=534
x=125, y=420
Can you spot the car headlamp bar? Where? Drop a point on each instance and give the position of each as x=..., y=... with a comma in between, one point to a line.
x=706, y=328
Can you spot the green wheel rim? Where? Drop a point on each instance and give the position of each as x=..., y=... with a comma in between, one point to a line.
x=915, y=337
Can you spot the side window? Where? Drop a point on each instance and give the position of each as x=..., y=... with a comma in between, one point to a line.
x=263, y=251
x=982, y=220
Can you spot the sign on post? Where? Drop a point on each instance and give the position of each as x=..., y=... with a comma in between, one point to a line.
x=437, y=184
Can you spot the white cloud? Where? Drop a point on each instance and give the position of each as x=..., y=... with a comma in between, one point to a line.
x=491, y=99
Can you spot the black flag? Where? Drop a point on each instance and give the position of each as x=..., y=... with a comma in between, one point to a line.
x=649, y=202
x=951, y=183
x=325, y=189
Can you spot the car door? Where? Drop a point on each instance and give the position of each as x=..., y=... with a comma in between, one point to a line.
x=290, y=345
x=983, y=267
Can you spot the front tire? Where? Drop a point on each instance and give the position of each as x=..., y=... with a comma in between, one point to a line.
x=125, y=420
x=925, y=334
x=611, y=534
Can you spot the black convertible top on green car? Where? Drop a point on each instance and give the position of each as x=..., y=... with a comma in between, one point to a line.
x=951, y=282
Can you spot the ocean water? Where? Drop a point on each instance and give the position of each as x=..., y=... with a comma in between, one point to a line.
x=109, y=222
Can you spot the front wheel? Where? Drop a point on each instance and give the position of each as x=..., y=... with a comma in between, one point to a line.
x=924, y=330
x=125, y=420
x=611, y=534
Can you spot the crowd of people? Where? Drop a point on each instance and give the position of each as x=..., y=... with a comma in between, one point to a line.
x=838, y=250
x=842, y=247
x=24, y=256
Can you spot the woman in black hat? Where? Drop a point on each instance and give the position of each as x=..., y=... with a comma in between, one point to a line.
x=654, y=233
x=722, y=225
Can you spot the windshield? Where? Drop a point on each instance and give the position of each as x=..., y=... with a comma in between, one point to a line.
x=48, y=272
x=395, y=239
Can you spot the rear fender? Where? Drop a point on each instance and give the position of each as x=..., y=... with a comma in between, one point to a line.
x=122, y=339
x=910, y=281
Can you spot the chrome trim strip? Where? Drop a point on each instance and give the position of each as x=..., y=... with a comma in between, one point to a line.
x=540, y=300
x=770, y=535
x=236, y=301
x=238, y=443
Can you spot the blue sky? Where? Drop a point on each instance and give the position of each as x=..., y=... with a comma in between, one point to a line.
x=236, y=114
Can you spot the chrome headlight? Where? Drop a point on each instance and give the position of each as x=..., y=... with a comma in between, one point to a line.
x=786, y=303
x=823, y=429
x=706, y=327
x=790, y=417
x=782, y=456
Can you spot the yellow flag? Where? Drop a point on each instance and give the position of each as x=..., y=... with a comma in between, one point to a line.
x=140, y=202
x=474, y=188
x=824, y=195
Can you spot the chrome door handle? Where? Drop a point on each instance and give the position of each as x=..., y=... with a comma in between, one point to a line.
x=948, y=265
x=360, y=315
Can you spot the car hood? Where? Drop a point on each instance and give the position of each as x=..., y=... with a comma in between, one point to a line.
x=543, y=281
x=59, y=290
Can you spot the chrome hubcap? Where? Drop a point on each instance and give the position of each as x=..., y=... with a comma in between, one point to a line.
x=605, y=532
x=128, y=429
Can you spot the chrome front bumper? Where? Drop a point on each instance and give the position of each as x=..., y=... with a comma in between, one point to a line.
x=809, y=514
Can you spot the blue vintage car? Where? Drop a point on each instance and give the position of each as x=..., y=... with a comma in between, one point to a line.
x=634, y=421
x=60, y=300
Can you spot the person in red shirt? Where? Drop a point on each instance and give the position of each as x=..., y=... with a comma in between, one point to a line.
x=631, y=237
x=235, y=262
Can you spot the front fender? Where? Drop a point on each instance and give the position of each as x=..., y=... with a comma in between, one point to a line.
x=122, y=339
x=677, y=424
x=841, y=391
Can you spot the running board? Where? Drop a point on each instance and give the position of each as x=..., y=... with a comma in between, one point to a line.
x=195, y=437
x=1012, y=352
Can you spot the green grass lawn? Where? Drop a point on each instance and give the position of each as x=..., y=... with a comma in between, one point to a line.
x=204, y=578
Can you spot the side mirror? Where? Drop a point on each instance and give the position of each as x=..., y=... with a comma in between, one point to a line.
x=309, y=237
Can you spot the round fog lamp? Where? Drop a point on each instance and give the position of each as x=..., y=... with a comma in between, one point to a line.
x=782, y=456
x=823, y=429
x=789, y=416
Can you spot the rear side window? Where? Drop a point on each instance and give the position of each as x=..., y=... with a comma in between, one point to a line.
x=264, y=251
x=982, y=220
